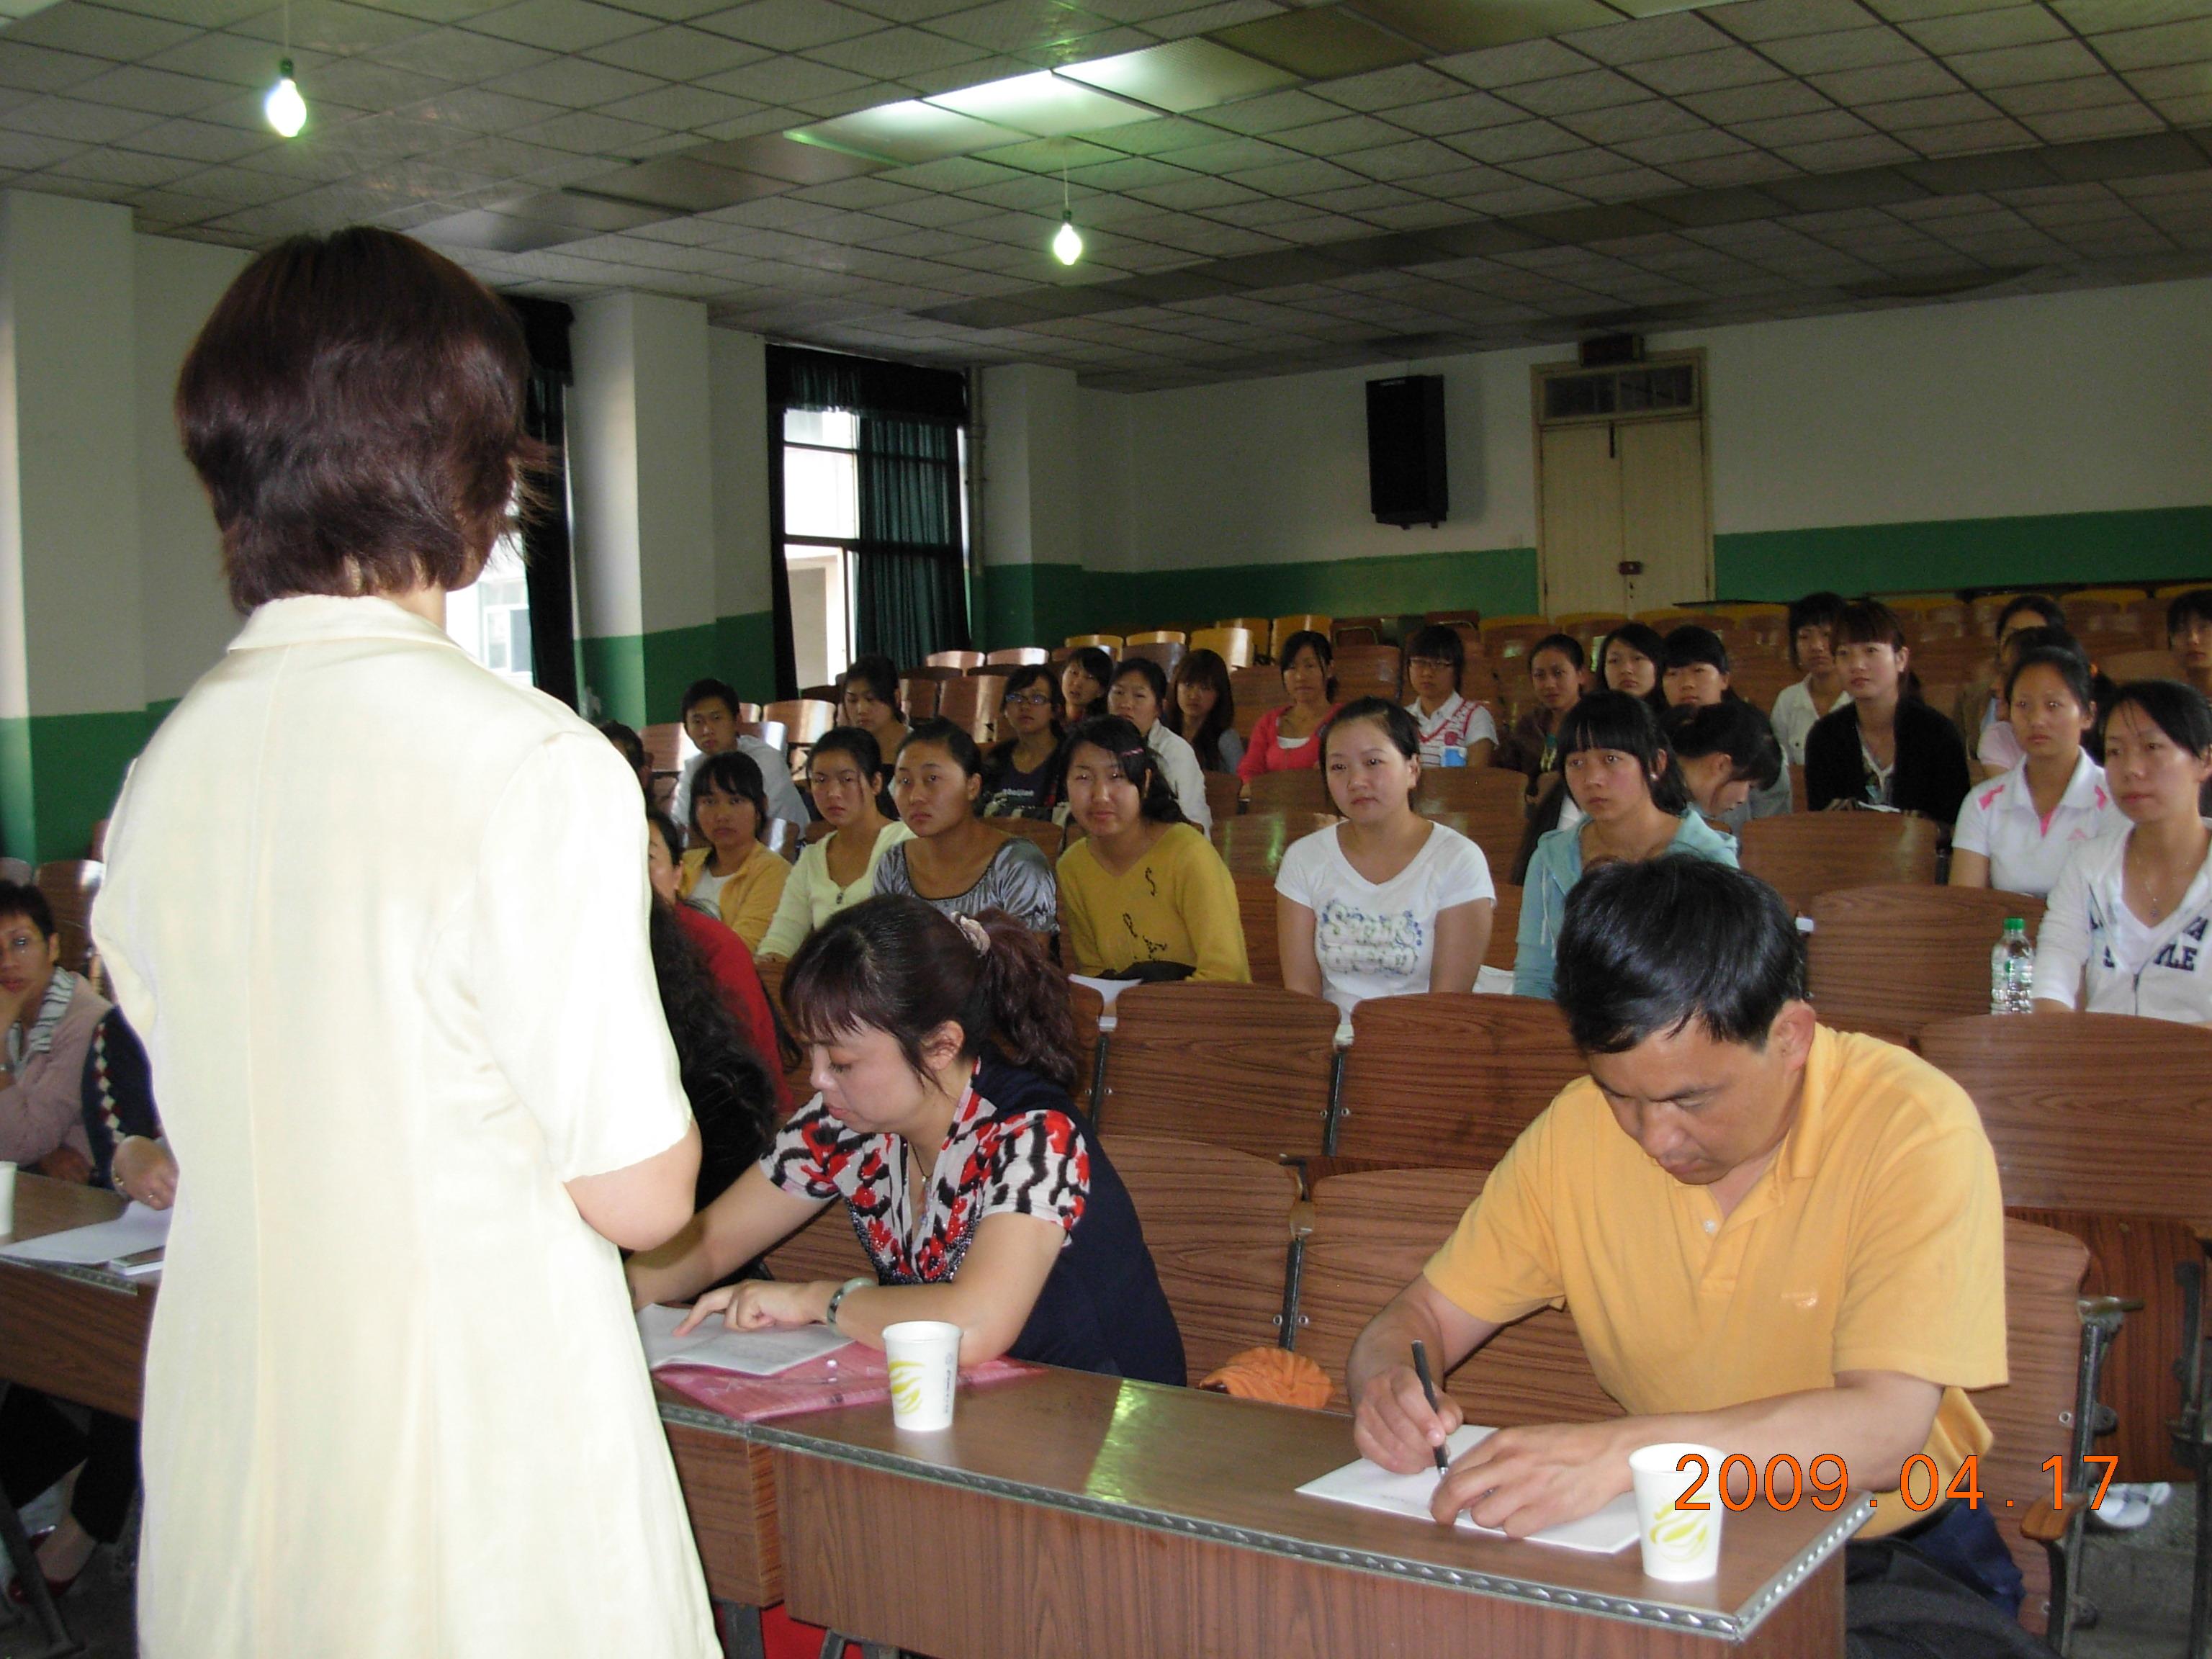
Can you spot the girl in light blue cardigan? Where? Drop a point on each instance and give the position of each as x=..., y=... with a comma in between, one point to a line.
x=1621, y=775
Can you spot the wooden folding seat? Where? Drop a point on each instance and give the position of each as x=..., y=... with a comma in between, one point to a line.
x=2109, y=1117
x=972, y=703
x=1048, y=837
x=1015, y=656
x=1511, y=636
x=2151, y=664
x=1282, y=628
x=1504, y=922
x=1803, y=854
x=71, y=885
x=1255, y=910
x=1111, y=643
x=1166, y=652
x=1086, y=1012
x=1465, y=616
x=774, y=733
x=1246, y=1066
x=1256, y=841
x=1983, y=610
x=797, y=1075
x=804, y=720
x=918, y=697
x=1367, y=671
x=963, y=660
x=1357, y=630
x=1219, y=1225
x=2166, y=592
x=1591, y=628
x=1159, y=636
x=1234, y=645
x=95, y=843
x=1898, y=957
x=1484, y=803
x=1666, y=617
x=1256, y=690
x=1759, y=680
x=667, y=746
x=1304, y=790
x=1224, y=792
x=1448, y=1077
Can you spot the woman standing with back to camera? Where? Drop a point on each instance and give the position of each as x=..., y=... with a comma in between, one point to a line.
x=395, y=1404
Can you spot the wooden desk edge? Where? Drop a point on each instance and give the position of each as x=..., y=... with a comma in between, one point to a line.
x=1733, y=1626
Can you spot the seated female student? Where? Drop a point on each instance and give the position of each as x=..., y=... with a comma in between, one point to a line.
x=956, y=860
x=1144, y=895
x=868, y=697
x=2123, y=931
x=1723, y=751
x=1697, y=676
x=844, y=773
x=1139, y=695
x=48, y=1013
x=39, y=1444
x=1436, y=658
x=1083, y=678
x=1621, y=775
x=1998, y=748
x=1558, y=673
x=1635, y=657
x=1022, y=773
x=1885, y=747
x=1813, y=654
x=734, y=878
x=943, y=1051
x=716, y=951
x=2016, y=831
x=1981, y=705
x=1283, y=739
x=1386, y=903
x=1202, y=711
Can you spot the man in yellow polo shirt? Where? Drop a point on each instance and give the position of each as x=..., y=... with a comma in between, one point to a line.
x=1772, y=1238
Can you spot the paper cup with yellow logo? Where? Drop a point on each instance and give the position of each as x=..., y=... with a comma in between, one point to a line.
x=1681, y=1545
x=923, y=1356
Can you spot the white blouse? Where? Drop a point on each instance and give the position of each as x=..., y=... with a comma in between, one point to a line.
x=2026, y=851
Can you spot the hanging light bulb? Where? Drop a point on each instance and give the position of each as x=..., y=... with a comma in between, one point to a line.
x=287, y=111
x=1067, y=241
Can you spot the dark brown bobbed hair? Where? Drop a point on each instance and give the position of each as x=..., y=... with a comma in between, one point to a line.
x=894, y=964
x=355, y=407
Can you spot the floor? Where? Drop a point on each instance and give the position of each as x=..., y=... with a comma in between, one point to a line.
x=2138, y=1581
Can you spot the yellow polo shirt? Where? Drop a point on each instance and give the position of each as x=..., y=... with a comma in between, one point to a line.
x=1874, y=1241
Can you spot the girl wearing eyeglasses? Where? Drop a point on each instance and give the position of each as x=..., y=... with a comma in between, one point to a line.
x=1022, y=774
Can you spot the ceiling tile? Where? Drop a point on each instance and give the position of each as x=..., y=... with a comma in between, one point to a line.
x=2188, y=42
x=1909, y=114
x=1705, y=71
x=573, y=82
x=2108, y=121
x=1837, y=154
x=156, y=91
x=1669, y=36
x=677, y=53
x=1524, y=138
x=1294, y=178
x=789, y=25
x=1811, y=127
x=1507, y=66
x=80, y=122
x=2095, y=16
x=99, y=32
x=458, y=55
x=1651, y=119
x=557, y=25
x=1763, y=102
x=1566, y=95
x=1845, y=48
x=1779, y=19
x=1389, y=88
x=2009, y=66
x=2039, y=96
x=1977, y=31
x=1461, y=114
x=37, y=69
x=1691, y=146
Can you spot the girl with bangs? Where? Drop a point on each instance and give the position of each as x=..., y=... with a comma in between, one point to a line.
x=734, y=877
x=1885, y=747
x=1622, y=777
x=943, y=1053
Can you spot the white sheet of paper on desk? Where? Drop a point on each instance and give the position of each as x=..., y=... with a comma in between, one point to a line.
x=137, y=1229
x=1370, y=1486
x=755, y=1353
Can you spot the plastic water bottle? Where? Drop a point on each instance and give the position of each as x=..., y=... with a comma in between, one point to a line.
x=2012, y=970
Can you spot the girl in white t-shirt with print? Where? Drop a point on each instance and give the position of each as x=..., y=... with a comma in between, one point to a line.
x=2016, y=829
x=1386, y=903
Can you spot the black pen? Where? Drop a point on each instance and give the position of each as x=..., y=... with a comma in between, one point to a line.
x=1429, y=1388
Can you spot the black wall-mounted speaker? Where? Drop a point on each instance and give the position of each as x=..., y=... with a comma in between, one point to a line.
x=1405, y=483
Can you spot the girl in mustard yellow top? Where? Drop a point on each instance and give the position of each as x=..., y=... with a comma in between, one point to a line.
x=734, y=878
x=1144, y=894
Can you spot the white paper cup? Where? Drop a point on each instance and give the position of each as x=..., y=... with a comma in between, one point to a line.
x=923, y=1356
x=7, y=1199
x=1682, y=1545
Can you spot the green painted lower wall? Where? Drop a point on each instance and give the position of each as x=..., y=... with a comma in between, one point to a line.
x=639, y=678
x=58, y=776
x=2146, y=545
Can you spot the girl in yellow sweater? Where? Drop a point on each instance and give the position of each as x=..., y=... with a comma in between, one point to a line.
x=733, y=877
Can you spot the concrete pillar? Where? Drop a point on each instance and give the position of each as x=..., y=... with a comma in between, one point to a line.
x=1031, y=551
x=744, y=634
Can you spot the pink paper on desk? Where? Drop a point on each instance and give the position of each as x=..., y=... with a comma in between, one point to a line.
x=854, y=1376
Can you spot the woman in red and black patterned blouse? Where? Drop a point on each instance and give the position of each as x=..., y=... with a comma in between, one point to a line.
x=943, y=1055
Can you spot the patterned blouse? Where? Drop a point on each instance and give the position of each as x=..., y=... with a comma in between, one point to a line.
x=1018, y=880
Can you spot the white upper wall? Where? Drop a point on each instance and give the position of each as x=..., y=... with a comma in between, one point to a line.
x=2087, y=401
x=736, y=389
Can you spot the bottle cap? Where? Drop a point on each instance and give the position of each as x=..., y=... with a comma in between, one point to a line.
x=2016, y=925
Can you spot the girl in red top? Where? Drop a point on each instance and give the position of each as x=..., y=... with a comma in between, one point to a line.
x=1283, y=741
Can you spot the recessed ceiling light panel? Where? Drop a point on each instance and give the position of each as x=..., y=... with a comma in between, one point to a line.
x=906, y=133
x=1320, y=44
x=1181, y=75
x=1043, y=105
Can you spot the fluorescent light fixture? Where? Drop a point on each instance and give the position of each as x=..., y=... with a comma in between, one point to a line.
x=1043, y=105
x=906, y=133
x=1181, y=75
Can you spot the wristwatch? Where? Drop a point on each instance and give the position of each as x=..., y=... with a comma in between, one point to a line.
x=837, y=1298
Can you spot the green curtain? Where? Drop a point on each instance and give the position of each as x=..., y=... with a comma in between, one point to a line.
x=912, y=585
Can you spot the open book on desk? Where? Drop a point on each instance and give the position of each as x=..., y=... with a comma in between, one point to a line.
x=717, y=1348
x=133, y=1233
x=1371, y=1486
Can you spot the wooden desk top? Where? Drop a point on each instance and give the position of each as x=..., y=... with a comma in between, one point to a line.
x=45, y=1206
x=1205, y=1465
x=76, y=1333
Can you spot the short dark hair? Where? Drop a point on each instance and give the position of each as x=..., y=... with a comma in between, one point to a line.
x=1869, y=622
x=732, y=773
x=1624, y=721
x=671, y=834
x=626, y=741
x=1436, y=642
x=1647, y=947
x=1146, y=668
x=1734, y=728
x=2195, y=605
x=1567, y=645
x=2064, y=661
x=2041, y=604
x=1641, y=638
x=862, y=746
x=2176, y=708
x=1689, y=646
x=880, y=674
x=1094, y=660
x=1120, y=740
x=1324, y=653
x=699, y=690
x=1397, y=725
x=354, y=405
x=22, y=899
x=1813, y=611
x=947, y=735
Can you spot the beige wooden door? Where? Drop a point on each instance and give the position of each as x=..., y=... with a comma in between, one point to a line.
x=1664, y=517
x=1581, y=536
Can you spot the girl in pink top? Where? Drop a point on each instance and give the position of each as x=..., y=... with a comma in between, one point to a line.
x=1283, y=741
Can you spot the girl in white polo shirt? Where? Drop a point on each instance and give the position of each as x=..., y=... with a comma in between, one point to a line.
x=2016, y=830
x=2125, y=930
